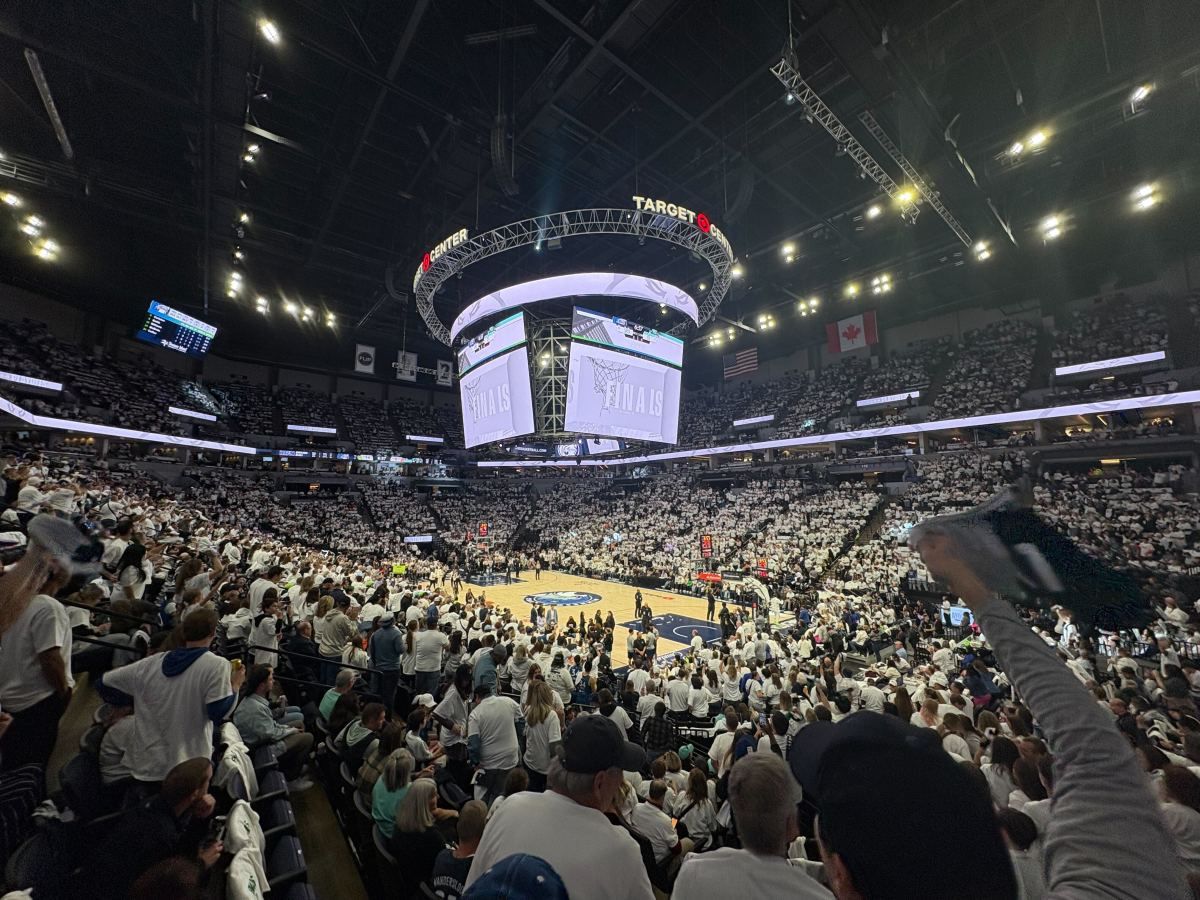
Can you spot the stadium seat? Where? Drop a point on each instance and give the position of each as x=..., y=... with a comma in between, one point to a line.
x=285, y=863
x=301, y=891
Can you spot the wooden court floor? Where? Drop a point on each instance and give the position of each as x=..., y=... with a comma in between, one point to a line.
x=674, y=615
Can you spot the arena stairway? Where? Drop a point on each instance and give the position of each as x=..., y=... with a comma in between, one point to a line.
x=874, y=525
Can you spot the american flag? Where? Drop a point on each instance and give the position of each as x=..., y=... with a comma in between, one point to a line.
x=741, y=363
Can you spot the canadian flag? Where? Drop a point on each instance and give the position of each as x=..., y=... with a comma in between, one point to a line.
x=852, y=333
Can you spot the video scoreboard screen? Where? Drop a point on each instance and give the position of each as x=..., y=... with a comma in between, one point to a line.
x=504, y=335
x=621, y=395
x=497, y=399
x=174, y=330
x=622, y=334
x=706, y=546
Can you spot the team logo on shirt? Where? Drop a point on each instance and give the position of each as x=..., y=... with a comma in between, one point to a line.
x=562, y=598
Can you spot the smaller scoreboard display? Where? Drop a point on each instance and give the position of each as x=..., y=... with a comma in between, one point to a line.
x=706, y=546
x=174, y=330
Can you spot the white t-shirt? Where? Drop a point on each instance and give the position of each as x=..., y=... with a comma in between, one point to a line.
x=556, y=829
x=655, y=826
x=538, y=739
x=172, y=723
x=453, y=708
x=727, y=872
x=258, y=588
x=720, y=749
x=114, y=750
x=428, y=646
x=43, y=626
x=622, y=719
x=494, y=720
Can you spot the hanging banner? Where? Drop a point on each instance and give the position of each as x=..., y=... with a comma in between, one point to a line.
x=406, y=366
x=706, y=546
x=364, y=359
x=445, y=372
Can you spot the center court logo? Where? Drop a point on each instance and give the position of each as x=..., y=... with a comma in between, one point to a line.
x=562, y=598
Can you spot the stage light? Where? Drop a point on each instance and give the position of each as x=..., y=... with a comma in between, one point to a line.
x=244, y=218
x=306, y=314
x=874, y=211
x=253, y=149
x=1016, y=149
x=13, y=200
x=1051, y=228
x=982, y=250
x=329, y=320
x=291, y=307
x=789, y=259
x=231, y=293
x=239, y=255
x=1145, y=197
x=804, y=312
x=248, y=158
x=703, y=286
x=46, y=249
x=1037, y=139
x=789, y=98
x=737, y=271
x=905, y=197
x=260, y=300
x=30, y=228
x=852, y=290
x=662, y=308
x=269, y=30
x=814, y=301
x=762, y=320
x=788, y=249
x=1140, y=93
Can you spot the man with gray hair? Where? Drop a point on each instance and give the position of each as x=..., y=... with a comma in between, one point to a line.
x=567, y=826
x=764, y=796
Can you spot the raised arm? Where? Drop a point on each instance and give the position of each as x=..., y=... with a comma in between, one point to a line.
x=1106, y=837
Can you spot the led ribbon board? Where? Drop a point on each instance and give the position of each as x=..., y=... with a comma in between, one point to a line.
x=591, y=284
x=890, y=398
x=30, y=381
x=1101, y=407
x=1116, y=362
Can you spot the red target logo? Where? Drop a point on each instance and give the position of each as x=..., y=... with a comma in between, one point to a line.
x=703, y=223
x=425, y=263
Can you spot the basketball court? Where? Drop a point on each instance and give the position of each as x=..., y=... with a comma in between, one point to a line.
x=675, y=615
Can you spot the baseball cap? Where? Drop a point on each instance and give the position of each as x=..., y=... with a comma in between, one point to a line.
x=869, y=764
x=517, y=877
x=593, y=743
x=387, y=618
x=425, y=700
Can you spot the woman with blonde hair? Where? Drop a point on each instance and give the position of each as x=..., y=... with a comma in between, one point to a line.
x=390, y=788
x=416, y=841
x=543, y=734
x=319, y=624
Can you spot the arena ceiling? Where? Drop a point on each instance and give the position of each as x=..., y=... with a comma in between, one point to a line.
x=373, y=126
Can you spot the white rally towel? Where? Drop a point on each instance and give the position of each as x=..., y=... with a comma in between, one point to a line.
x=851, y=333
x=364, y=358
x=247, y=879
x=242, y=829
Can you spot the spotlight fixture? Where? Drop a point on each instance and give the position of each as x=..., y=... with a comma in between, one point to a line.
x=260, y=300
x=244, y=218
x=253, y=149
x=804, y=312
x=881, y=284
x=788, y=249
x=32, y=226
x=248, y=158
x=703, y=286
x=905, y=197
x=814, y=302
x=1051, y=228
x=1037, y=139
x=269, y=30
x=46, y=249
x=789, y=259
x=852, y=290
x=306, y=314
x=789, y=98
x=11, y=199
x=874, y=211
x=329, y=320
x=1146, y=196
x=238, y=254
x=982, y=251
x=730, y=331
x=737, y=271
x=1140, y=94
x=290, y=307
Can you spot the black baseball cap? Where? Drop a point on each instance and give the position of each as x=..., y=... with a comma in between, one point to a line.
x=859, y=770
x=593, y=743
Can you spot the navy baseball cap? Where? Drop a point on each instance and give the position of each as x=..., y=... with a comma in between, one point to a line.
x=859, y=770
x=594, y=743
x=520, y=876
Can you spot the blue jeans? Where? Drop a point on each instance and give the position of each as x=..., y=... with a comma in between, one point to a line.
x=427, y=682
x=289, y=715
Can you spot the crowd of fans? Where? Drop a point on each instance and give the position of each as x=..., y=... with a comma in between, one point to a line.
x=1116, y=327
x=992, y=371
x=481, y=733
